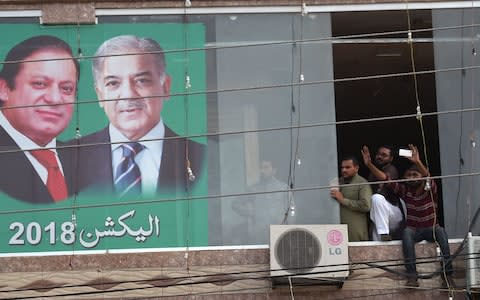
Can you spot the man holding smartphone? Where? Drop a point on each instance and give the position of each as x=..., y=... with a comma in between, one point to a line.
x=421, y=197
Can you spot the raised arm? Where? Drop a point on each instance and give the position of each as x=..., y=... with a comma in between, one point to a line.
x=367, y=160
x=417, y=161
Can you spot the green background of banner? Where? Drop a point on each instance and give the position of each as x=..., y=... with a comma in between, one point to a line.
x=182, y=222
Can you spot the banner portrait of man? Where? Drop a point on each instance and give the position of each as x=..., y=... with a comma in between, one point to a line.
x=102, y=152
x=136, y=154
x=36, y=97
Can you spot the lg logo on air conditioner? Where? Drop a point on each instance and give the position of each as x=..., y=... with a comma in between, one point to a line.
x=334, y=238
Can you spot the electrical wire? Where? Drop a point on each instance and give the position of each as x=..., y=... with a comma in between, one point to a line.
x=355, y=121
x=291, y=287
x=416, y=90
x=257, y=274
x=461, y=160
x=301, y=79
x=445, y=261
x=473, y=121
x=226, y=277
x=81, y=56
x=217, y=196
x=237, y=291
x=260, y=44
x=188, y=172
x=76, y=162
x=320, y=293
x=369, y=264
x=426, y=184
x=384, y=294
x=292, y=111
x=295, y=109
x=262, y=87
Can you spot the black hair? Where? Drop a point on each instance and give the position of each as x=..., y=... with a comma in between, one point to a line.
x=389, y=147
x=28, y=47
x=352, y=158
x=413, y=167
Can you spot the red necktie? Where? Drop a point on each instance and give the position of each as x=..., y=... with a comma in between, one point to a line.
x=55, y=181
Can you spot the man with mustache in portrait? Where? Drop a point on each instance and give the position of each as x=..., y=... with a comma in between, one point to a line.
x=136, y=155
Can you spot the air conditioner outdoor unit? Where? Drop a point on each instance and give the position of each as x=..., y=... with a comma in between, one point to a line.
x=473, y=262
x=309, y=251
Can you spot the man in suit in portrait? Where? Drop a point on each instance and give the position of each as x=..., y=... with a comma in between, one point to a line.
x=136, y=154
x=36, y=104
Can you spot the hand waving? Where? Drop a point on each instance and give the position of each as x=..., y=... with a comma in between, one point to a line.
x=415, y=158
x=367, y=159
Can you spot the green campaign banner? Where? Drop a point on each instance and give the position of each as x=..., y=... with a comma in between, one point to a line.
x=102, y=137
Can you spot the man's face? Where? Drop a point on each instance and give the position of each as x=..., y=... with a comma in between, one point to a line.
x=383, y=157
x=266, y=170
x=413, y=174
x=348, y=169
x=134, y=78
x=38, y=85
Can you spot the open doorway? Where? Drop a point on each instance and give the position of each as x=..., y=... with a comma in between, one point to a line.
x=390, y=96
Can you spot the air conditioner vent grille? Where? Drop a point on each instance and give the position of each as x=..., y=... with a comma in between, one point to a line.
x=299, y=250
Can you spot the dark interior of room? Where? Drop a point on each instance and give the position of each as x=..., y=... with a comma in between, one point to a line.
x=372, y=55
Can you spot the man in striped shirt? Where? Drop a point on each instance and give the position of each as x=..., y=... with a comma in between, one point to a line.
x=420, y=196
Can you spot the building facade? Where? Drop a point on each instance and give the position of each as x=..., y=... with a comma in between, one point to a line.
x=277, y=92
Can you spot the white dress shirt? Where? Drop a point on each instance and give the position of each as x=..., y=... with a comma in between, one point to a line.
x=148, y=160
x=26, y=144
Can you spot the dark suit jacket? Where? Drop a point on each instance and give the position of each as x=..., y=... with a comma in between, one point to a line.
x=19, y=179
x=94, y=163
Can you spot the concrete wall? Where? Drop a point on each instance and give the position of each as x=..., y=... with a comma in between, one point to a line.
x=458, y=89
x=211, y=274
